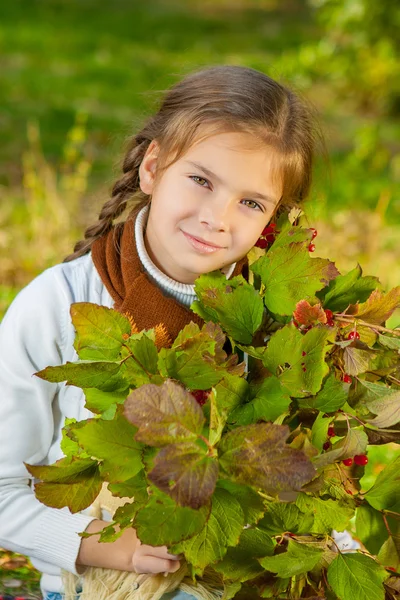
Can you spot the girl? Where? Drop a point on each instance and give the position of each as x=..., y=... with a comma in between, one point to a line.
x=227, y=149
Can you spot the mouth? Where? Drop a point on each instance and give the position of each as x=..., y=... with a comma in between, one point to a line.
x=201, y=245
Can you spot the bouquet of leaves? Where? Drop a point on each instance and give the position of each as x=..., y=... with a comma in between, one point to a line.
x=241, y=445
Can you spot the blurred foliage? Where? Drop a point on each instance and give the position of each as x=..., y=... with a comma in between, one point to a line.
x=40, y=224
x=17, y=576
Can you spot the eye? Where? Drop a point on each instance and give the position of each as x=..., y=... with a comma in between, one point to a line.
x=252, y=204
x=199, y=180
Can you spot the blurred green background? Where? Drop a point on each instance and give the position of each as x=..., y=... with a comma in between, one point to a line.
x=78, y=76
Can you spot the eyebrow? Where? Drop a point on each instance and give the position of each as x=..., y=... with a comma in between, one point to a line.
x=214, y=176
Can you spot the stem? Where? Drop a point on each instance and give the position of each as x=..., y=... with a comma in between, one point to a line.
x=351, y=320
x=386, y=524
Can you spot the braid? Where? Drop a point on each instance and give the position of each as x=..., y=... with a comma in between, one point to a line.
x=122, y=190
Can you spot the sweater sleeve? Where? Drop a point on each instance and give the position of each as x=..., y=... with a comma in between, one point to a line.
x=32, y=334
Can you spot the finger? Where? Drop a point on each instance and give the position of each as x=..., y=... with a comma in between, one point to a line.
x=158, y=551
x=150, y=564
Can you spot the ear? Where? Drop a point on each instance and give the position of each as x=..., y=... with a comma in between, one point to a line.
x=148, y=166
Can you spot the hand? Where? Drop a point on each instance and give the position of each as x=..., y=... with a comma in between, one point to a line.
x=127, y=553
x=154, y=559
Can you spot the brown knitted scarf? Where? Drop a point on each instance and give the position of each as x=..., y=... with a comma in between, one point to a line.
x=117, y=261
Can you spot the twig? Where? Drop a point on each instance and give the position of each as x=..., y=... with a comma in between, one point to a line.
x=355, y=321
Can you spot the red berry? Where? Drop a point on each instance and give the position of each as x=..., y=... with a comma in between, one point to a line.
x=304, y=369
x=311, y=247
x=348, y=462
x=327, y=445
x=330, y=323
x=349, y=492
x=331, y=432
x=314, y=232
x=361, y=460
x=261, y=243
x=329, y=314
x=347, y=378
x=200, y=396
x=353, y=335
x=269, y=229
x=304, y=353
x=391, y=569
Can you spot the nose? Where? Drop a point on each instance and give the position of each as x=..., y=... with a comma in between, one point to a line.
x=214, y=214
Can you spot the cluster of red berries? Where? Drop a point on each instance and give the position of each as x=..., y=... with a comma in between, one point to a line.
x=200, y=396
x=267, y=236
x=311, y=247
x=360, y=459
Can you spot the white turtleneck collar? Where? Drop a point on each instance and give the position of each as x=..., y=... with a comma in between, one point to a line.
x=183, y=292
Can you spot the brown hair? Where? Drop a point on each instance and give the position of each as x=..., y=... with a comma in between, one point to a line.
x=222, y=98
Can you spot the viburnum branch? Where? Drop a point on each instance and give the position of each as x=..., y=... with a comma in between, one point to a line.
x=386, y=524
x=355, y=322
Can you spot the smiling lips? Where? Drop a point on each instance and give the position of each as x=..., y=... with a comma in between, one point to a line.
x=201, y=245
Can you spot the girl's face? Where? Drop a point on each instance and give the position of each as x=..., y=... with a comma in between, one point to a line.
x=210, y=206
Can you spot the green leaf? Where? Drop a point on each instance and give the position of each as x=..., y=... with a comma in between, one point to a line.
x=164, y=414
x=86, y=374
x=384, y=494
x=289, y=353
x=251, y=503
x=356, y=577
x=257, y=455
x=231, y=391
x=329, y=399
x=99, y=401
x=290, y=275
x=222, y=529
x=281, y=517
x=100, y=331
x=290, y=234
x=389, y=554
x=75, y=484
x=370, y=528
x=319, y=431
x=271, y=400
x=113, y=443
x=239, y=563
x=162, y=522
x=299, y=558
x=356, y=360
x=68, y=446
x=393, y=343
x=134, y=488
x=195, y=360
x=386, y=405
x=64, y=470
x=328, y=514
x=234, y=304
x=144, y=350
x=348, y=289
x=186, y=473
